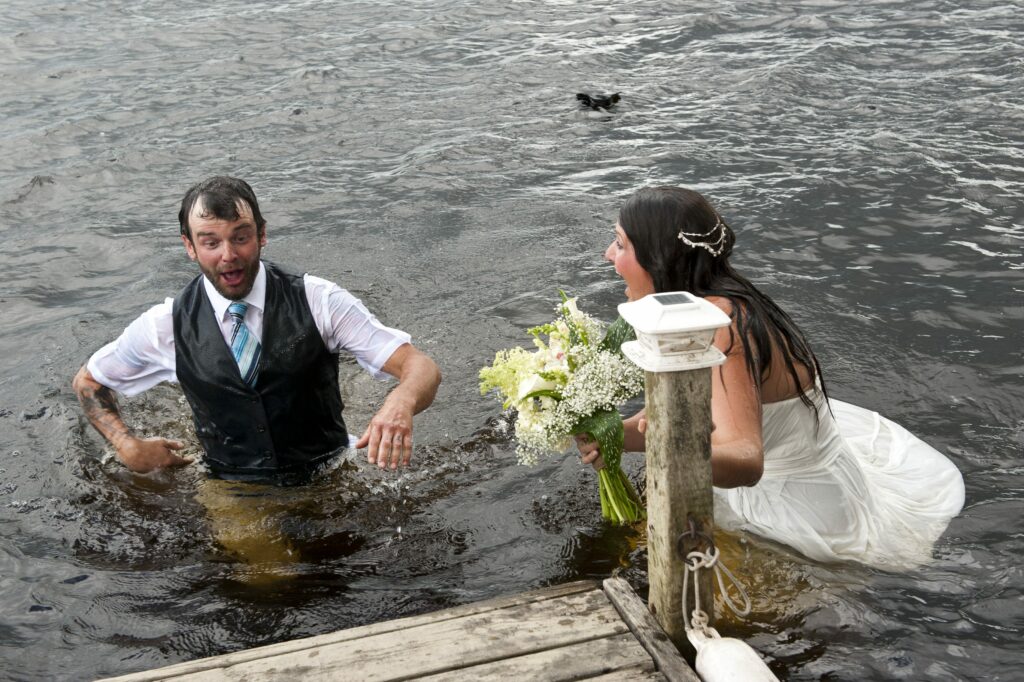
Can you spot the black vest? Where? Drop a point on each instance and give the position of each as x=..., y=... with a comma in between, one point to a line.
x=291, y=420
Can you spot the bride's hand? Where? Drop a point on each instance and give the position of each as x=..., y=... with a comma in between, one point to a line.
x=641, y=425
x=589, y=451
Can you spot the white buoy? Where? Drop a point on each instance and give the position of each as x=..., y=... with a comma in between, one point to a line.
x=726, y=659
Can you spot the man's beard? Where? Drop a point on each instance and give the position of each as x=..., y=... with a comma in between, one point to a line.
x=249, y=272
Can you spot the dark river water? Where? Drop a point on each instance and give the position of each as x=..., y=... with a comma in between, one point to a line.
x=430, y=157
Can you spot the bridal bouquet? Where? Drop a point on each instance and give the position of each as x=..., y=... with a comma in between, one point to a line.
x=572, y=384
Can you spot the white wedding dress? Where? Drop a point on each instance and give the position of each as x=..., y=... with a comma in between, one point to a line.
x=854, y=486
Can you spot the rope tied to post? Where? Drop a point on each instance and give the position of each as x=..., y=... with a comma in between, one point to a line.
x=694, y=562
x=719, y=659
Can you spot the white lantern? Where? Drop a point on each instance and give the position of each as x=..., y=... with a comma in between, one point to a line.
x=674, y=331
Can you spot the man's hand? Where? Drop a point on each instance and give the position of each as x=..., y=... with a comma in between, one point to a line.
x=138, y=454
x=142, y=455
x=389, y=435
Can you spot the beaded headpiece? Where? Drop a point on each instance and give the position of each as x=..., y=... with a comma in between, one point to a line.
x=707, y=240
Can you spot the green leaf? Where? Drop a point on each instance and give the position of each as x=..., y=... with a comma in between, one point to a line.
x=617, y=334
x=549, y=392
x=606, y=428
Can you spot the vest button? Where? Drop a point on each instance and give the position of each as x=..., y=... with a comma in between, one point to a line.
x=261, y=428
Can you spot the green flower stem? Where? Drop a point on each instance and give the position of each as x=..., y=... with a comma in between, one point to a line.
x=619, y=500
x=605, y=504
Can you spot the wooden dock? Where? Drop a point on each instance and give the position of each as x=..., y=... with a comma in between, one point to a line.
x=578, y=631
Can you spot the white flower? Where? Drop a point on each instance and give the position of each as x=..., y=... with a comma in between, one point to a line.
x=532, y=384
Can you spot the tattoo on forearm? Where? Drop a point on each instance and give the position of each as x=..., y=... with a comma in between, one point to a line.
x=100, y=406
x=105, y=397
x=97, y=402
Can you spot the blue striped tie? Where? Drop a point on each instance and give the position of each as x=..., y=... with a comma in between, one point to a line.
x=244, y=346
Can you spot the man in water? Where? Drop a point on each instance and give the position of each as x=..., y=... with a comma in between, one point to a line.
x=255, y=350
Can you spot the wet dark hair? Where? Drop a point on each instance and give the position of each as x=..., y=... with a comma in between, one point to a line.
x=653, y=218
x=220, y=195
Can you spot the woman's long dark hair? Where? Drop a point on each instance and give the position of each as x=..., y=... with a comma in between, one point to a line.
x=654, y=217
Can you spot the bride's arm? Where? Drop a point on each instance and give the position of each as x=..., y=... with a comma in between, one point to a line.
x=634, y=432
x=737, y=450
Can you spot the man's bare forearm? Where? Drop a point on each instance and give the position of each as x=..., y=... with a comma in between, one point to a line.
x=100, y=407
x=418, y=381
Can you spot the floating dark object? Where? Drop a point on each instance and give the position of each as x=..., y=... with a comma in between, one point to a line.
x=597, y=102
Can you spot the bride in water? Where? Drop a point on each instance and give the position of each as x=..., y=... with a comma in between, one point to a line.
x=833, y=480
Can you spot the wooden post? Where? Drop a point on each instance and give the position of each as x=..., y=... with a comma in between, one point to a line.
x=678, y=441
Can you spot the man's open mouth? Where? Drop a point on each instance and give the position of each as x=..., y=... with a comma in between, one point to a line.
x=232, y=278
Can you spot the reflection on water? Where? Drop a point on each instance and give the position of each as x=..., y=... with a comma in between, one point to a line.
x=433, y=159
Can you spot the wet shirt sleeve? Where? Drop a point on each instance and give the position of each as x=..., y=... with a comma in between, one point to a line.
x=142, y=357
x=346, y=325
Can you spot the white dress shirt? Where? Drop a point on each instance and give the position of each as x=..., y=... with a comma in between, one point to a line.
x=143, y=356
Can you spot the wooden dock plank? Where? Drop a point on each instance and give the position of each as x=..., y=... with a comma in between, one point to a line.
x=581, y=661
x=227, y=660
x=579, y=631
x=440, y=646
x=647, y=631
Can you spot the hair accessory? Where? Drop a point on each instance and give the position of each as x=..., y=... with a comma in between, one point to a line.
x=714, y=247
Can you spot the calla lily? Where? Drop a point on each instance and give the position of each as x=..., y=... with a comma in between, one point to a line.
x=532, y=384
